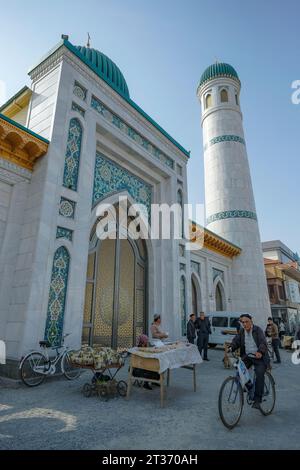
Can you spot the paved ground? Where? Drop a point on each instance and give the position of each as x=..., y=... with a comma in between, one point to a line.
x=57, y=416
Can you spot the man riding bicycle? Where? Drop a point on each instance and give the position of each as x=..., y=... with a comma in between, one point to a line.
x=251, y=340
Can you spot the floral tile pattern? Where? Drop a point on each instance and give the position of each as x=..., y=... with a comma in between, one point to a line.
x=57, y=296
x=110, y=178
x=66, y=233
x=78, y=109
x=80, y=91
x=224, y=138
x=73, y=151
x=236, y=214
x=130, y=132
x=67, y=208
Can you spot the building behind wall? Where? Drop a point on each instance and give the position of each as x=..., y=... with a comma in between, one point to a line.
x=283, y=278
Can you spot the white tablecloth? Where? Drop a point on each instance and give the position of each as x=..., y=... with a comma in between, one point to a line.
x=183, y=355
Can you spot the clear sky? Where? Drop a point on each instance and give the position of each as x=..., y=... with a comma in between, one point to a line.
x=162, y=47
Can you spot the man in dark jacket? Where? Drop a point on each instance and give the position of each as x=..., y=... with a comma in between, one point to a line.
x=190, y=329
x=202, y=325
x=272, y=331
x=251, y=340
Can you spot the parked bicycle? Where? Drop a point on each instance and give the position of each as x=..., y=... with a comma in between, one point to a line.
x=35, y=366
x=231, y=395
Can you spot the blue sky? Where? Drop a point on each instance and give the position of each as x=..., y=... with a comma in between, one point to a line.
x=162, y=48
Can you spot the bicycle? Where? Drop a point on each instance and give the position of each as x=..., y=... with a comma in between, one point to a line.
x=231, y=395
x=35, y=366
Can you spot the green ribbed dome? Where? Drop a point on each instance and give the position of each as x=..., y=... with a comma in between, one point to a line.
x=105, y=69
x=218, y=70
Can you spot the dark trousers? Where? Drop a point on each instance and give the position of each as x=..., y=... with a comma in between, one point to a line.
x=202, y=343
x=260, y=369
x=190, y=340
x=275, y=345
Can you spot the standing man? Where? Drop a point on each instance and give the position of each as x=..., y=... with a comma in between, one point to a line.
x=281, y=331
x=251, y=340
x=190, y=329
x=272, y=330
x=202, y=325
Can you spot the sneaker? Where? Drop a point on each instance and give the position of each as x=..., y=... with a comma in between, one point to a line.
x=277, y=362
x=206, y=359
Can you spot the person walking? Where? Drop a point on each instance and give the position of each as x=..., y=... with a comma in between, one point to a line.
x=190, y=329
x=202, y=325
x=272, y=331
x=281, y=332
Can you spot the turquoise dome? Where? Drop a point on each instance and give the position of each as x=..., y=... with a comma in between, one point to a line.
x=105, y=68
x=218, y=70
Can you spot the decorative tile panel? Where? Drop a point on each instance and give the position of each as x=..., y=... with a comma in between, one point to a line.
x=130, y=132
x=236, y=214
x=73, y=151
x=66, y=233
x=67, y=208
x=57, y=297
x=224, y=138
x=218, y=272
x=77, y=108
x=196, y=268
x=111, y=178
x=80, y=91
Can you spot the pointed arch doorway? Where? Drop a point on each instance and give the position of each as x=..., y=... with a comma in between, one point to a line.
x=116, y=288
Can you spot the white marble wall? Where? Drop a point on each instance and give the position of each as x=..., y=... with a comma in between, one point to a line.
x=228, y=187
x=50, y=113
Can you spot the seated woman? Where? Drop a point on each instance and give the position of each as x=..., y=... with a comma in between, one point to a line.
x=142, y=342
x=156, y=332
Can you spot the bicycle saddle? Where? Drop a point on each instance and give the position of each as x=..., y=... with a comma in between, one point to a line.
x=45, y=344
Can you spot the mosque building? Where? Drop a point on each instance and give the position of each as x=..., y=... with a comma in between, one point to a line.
x=75, y=139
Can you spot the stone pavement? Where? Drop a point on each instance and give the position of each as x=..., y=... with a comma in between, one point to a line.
x=56, y=415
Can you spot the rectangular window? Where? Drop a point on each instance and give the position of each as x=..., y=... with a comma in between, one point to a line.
x=281, y=292
x=220, y=321
x=233, y=323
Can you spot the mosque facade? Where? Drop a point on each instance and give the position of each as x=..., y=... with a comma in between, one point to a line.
x=74, y=140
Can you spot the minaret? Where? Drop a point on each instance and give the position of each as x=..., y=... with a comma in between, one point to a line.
x=229, y=199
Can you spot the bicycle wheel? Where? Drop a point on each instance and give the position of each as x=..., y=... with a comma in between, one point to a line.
x=33, y=369
x=269, y=396
x=122, y=388
x=87, y=390
x=69, y=371
x=231, y=402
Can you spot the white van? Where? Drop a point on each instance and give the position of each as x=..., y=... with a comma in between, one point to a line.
x=223, y=327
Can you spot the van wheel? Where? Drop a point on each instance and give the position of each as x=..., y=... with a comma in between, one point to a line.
x=212, y=345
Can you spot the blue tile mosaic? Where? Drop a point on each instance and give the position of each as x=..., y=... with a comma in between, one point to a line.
x=66, y=233
x=224, y=138
x=130, y=132
x=71, y=170
x=57, y=296
x=80, y=91
x=236, y=214
x=67, y=208
x=110, y=178
x=78, y=109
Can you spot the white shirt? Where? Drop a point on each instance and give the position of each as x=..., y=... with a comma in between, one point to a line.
x=250, y=344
